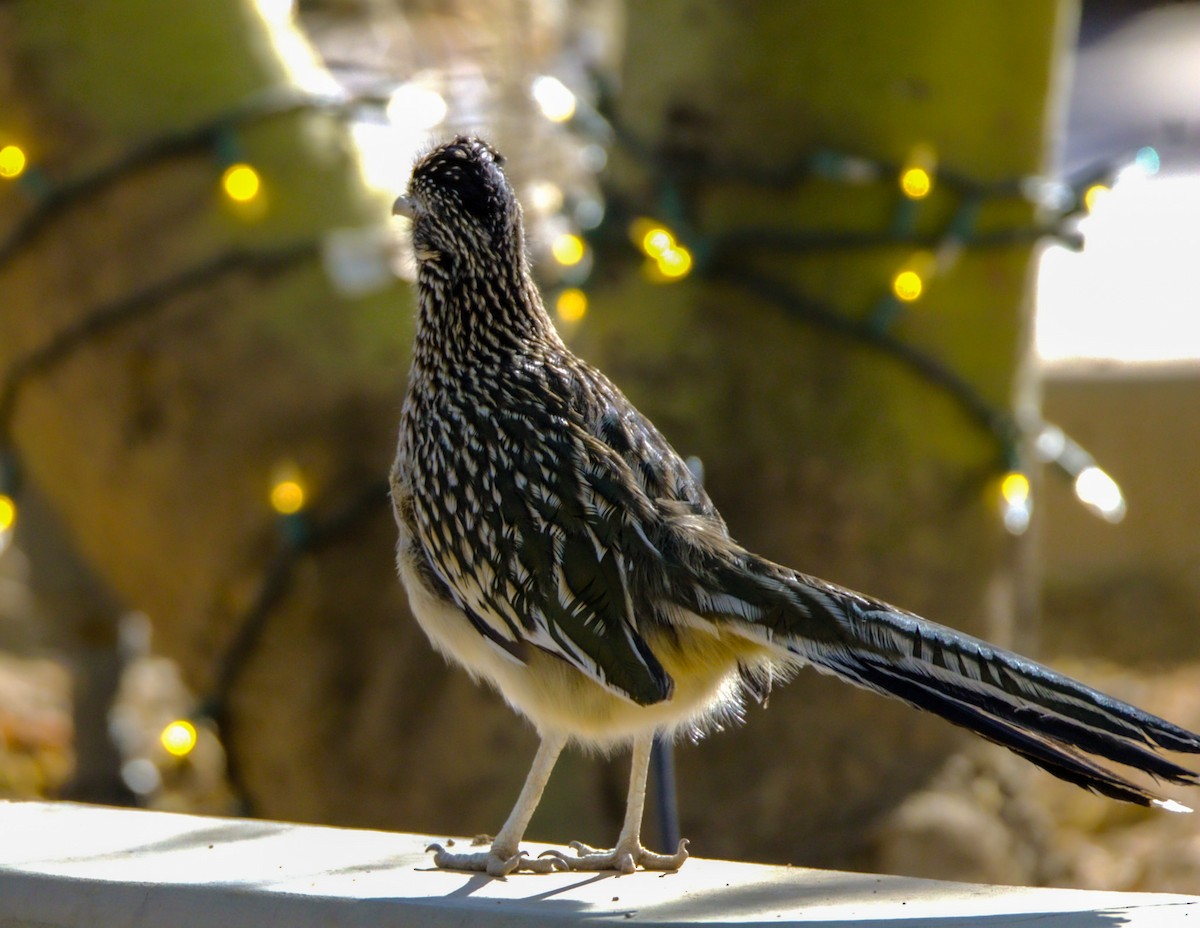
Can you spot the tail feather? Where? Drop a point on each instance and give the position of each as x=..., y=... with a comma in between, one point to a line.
x=1061, y=761
x=1046, y=717
x=1042, y=696
x=1034, y=718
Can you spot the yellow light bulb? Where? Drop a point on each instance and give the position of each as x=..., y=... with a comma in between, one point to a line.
x=241, y=183
x=571, y=305
x=907, y=285
x=916, y=177
x=1014, y=488
x=675, y=262
x=657, y=242
x=178, y=738
x=910, y=281
x=287, y=497
x=1093, y=195
x=916, y=183
x=567, y=249
x=1016, y=507
x=8, y=513
x=12, y=161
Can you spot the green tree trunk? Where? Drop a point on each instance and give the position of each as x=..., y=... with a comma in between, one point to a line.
x=157, y=438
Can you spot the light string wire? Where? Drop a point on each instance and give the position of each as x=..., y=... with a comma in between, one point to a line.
x=720, y=257
x=53, y=199
x=301, y=534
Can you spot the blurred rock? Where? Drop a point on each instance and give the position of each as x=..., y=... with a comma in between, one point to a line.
x=950, y=837
x=35, y=727
x=17, y=631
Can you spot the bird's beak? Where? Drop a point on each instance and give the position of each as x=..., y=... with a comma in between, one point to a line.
x=403, y=207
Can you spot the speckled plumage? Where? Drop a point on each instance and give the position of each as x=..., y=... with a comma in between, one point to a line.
x=554, y=544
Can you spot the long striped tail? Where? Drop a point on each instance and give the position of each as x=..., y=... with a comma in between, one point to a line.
x=1046, y=717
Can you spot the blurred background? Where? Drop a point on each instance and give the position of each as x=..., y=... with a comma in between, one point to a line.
x=914, y=283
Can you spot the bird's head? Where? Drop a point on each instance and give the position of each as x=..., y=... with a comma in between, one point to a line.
x=463, y=209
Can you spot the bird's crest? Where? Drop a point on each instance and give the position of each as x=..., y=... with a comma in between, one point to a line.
x=463, y=177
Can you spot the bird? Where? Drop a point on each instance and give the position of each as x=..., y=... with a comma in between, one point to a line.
x=554, y=544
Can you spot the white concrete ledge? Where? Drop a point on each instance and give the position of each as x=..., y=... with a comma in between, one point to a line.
x=74, y=866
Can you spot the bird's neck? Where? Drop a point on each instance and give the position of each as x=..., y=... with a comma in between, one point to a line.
x=468, y=315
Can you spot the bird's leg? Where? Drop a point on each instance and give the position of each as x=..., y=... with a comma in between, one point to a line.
x=629, y=854
x=505, y=855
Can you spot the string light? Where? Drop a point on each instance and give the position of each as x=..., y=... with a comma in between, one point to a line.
x=1093, y=195
x=571, y=305
x=12, y=161
x=589, y=212
x=1051, y=444
x=916, y=177
x=241, y=182
x=1016, y=502
x=1100, y=493
x=416, y=107
x=179, y=738
x=1093, y=487
x=568, y=249
x=1014, y=487
x=916, y=183
x=287, y=492
x=1147, y=158
x=675, y=263
x=141, y=776
x=8, y=514
x=908, y=286
x=669, y=260
x=546, y=196
x=276, y=10
x=8, y=518
x=910, y=281
x=555, y=98
x=657, y=241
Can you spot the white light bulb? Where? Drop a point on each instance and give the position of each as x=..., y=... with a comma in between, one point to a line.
x=416, y=107
x=1050, y=443
x=555, y=98
x=276, y=10
x=1095, y=489
x=546, y=196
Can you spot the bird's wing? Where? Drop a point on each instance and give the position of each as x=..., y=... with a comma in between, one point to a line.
x=551, y=511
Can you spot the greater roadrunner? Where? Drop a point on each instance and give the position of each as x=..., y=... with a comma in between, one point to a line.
x=554, y=544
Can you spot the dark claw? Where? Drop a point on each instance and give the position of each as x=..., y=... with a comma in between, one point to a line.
x=559, y=860
x=511, y=865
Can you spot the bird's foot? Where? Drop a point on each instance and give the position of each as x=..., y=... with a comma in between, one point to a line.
x=625, y=857
x=494, y=861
